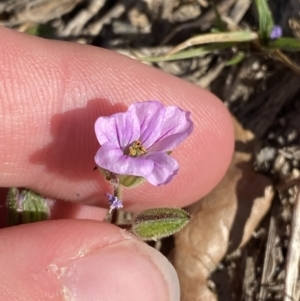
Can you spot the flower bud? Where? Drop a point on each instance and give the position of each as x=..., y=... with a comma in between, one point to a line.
x=156, y=223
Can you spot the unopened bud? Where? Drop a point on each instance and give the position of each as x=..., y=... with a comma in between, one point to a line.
x=153, y=224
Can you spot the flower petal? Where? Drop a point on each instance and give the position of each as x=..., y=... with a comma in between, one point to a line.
x=107, y=154
x=151, y=116
x=121, y=129
x=176, y=126
x=110, y=157
x=165, y=168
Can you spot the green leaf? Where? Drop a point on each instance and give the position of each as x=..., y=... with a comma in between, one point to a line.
x=42, y=30
x=196, y=52
x=221, y=37
x=236, y=59
x=33, y=30
x=26, y=206
x=153, y=224
x=219, y=23
x=288, y=44
x=265, y=19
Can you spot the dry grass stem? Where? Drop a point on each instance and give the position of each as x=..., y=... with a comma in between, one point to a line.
x=269, y=264
x=291, y=289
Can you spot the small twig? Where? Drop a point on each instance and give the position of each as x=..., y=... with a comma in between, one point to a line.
x=204, y=22
x=286, y=60
x=249, y=276
x=125, y=226
x=291, y=289
x=117, y=193
x=287, y=184
x=239, y=10
x=95, y=28
x=76, y=25
x=114, y=216
x=268, y=265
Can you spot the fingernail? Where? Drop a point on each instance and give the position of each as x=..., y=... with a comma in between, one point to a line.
x=128, y=271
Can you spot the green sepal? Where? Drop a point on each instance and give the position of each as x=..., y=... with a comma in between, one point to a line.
x=156, y=223
x=105, y=173
x=126, y=181
x=26, y=206
x=130, y=181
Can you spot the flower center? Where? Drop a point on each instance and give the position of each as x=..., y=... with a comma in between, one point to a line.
x=136, y=149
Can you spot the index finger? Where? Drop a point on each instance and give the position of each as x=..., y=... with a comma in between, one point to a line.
x=51, y=94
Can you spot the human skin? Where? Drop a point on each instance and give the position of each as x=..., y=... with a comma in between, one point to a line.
x=51, y=93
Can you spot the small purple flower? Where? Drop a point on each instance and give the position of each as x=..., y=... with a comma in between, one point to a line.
x=276, y=32
x=137, y=141
x=114, y=202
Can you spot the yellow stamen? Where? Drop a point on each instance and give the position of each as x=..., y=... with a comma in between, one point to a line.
x=136, y=149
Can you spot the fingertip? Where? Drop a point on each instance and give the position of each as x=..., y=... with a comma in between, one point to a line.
x=50, y=148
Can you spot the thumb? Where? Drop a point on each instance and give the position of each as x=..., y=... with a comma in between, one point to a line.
x=84, y=261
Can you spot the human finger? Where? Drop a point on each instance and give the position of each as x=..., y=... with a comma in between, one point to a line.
x=81, y=260
x=51, y=94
